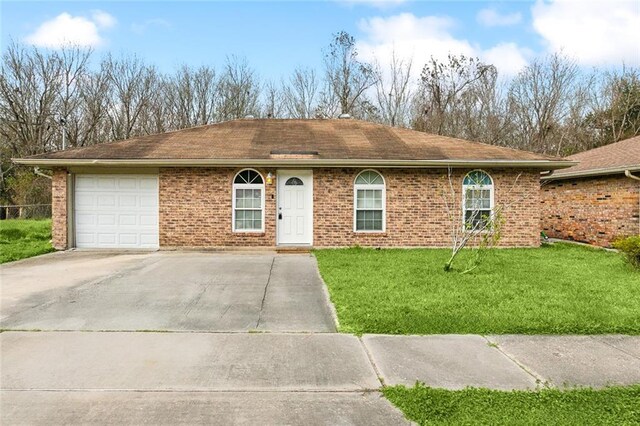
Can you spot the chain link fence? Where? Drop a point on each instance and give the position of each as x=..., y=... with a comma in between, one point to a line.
x=26, y=211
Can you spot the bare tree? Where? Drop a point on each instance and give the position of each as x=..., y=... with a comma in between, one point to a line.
x=190, y=97
x=273, y=104
x=300, y=93
x=540, y=101
x=238, y=90
x=393, y=91
x=615, y=102
x=481, y=231
x=133, y=87
x=348, y=78
x=443, y=86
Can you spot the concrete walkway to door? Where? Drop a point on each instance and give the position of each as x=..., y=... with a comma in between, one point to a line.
x=165, y=291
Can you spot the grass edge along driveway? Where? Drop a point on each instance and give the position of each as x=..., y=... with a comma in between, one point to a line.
x=23, y=238
x=554, y=289
x=581, y=406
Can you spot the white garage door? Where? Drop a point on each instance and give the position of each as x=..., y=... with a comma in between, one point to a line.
x=116, y=211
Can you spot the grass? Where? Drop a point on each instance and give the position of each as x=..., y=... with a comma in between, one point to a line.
x=22, y=238
x=555, y=289
x=428, y=406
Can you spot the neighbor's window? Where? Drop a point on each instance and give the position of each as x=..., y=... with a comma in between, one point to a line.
x=248, y=201
x=477, y=191
x=369, y=202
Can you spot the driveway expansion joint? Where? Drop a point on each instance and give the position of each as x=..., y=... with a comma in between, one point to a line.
x=371, y=360
x=264, y=295
x=539, y=379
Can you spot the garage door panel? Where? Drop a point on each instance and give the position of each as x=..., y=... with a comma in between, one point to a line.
x=107, y=182
x=116, y=211
x=85, y=219
x=85, y=182
x=85, y=239
x=148, y=183
x=127, y=219
x=107, y=200
x=106, y=219
x=127, y=200
x=148, y=201
x=148, y=219
x=85, y=200
x=106, y=238
x=128, y=183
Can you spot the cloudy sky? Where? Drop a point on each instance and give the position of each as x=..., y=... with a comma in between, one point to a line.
x=277, y=36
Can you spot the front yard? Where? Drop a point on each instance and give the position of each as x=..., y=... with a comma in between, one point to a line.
x=610, y=406
x=22, y=238
x=555, y=289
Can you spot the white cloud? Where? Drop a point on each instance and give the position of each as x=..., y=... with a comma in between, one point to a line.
x=422, y=37
x=103, y=19
x=509, y=58
x=492, y=18
x=66, y=29
x=594, y=32
x=141, y=28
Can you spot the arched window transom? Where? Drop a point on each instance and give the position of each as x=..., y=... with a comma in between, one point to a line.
x=248, y=202
x=369, y=202
x=294, y=181
x=477, y=190
x=248, y=176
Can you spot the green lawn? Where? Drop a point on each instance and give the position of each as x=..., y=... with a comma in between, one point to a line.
x=428, y=406
x=555, y=289
x=21, y=238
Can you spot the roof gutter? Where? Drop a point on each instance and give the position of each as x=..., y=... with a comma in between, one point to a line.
x=592, y=172
x=292, y=162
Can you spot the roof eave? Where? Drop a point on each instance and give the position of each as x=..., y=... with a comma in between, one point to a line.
x=289, y=162
x=592, y=172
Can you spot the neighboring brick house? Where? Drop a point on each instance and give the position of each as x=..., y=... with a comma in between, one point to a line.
x=268, y=183
x=597, y=200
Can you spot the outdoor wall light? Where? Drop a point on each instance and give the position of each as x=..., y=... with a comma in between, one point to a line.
x=269, y=178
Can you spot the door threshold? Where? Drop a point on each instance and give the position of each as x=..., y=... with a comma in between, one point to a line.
x=293, y=249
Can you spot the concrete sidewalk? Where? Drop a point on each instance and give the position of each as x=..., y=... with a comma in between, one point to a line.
x=274, y=378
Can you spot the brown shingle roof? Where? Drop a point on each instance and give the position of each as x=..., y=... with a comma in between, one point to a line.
x=613, y=158
x=271, y=139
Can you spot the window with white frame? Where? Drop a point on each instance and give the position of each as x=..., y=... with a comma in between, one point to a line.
x=248, y=202
x=369, y=202
x=477, y=189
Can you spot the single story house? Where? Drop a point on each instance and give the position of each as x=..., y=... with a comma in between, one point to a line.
x=597, y=200
x=272, y=182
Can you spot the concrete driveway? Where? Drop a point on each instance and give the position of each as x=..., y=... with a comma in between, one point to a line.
x=165, y=291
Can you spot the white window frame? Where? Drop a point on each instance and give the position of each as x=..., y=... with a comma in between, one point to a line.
x=359, y=186
x=491, y=189
x=233, y=201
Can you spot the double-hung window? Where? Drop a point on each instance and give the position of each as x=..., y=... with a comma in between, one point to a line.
x=477, y=189
x=369, y=202
x=248, y=202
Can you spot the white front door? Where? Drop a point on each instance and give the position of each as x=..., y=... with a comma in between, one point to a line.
x=295, y=207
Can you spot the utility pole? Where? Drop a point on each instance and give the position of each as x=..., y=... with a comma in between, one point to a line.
x=63, y=123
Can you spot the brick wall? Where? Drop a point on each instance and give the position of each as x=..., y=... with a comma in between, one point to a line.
x=594, y=210
x=416, y=214
x=59, y=209
x=195, y=209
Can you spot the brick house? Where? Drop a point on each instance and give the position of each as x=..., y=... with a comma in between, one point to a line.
x=268, y=183
x=597, y=200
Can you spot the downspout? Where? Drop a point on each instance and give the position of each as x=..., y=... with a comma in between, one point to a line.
x=37, y=171
x=628, y=174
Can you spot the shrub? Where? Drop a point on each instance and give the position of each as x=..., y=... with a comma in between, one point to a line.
x=630, y=247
